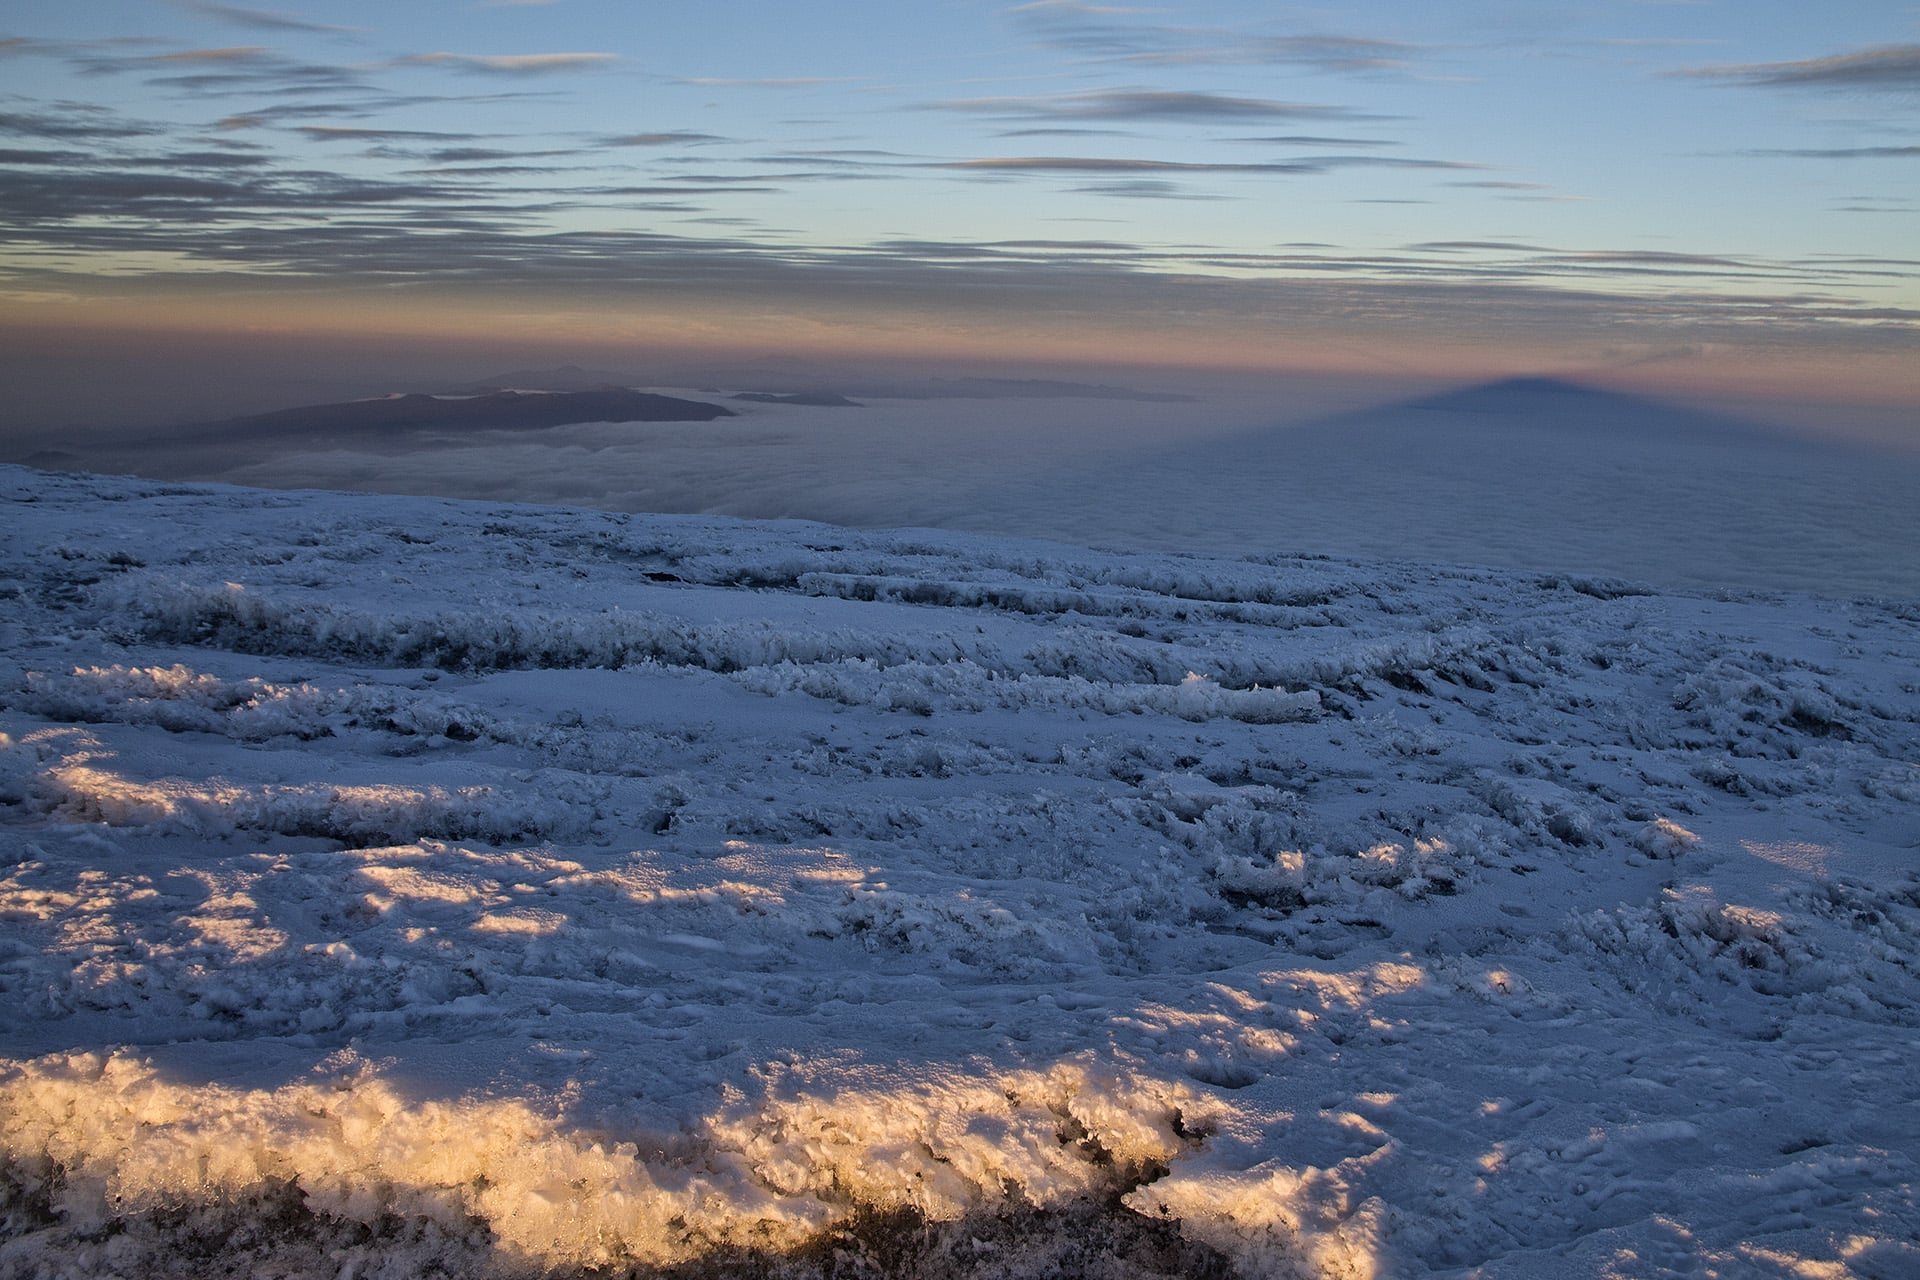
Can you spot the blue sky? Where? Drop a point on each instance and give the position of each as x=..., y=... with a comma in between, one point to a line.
x=1475, y=186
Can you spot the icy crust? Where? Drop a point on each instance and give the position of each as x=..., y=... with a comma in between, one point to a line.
x=125, y=1141
x=182, y=700
x=394, y=887
x=1835, y=946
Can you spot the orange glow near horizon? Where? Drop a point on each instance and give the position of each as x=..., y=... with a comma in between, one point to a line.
x=531, y=329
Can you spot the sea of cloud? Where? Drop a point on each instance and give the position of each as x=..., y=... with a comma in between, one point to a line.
x=1620, y=490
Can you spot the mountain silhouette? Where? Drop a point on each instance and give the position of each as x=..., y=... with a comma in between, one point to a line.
x=492, y=411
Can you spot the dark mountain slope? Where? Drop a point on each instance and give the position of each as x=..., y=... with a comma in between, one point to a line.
x=493, y=411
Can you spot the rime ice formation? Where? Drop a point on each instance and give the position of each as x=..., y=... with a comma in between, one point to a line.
x=397, y=883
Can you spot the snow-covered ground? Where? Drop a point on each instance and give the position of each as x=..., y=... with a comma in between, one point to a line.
x=398, y=887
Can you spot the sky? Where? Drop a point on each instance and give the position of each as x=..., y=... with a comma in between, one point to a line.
x=1707, y=195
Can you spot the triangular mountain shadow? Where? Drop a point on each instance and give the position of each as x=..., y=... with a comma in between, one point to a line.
x=1554, y=405
x=1530, y=473
x=1518, y=395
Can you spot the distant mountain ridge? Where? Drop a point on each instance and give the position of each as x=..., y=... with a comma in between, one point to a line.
x=821, y=388
x=493, y=410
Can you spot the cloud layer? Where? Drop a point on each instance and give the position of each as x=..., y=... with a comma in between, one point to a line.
x=1225, y=180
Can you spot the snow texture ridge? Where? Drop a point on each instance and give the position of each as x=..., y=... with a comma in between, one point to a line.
x=403, y=887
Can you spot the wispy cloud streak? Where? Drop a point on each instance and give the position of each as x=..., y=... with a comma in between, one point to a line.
x=1146, y=105
x=265, y=19
x=1109, y=164
x=1843, y=153
x=515, y=64
x=1887, y=66
x=1114, y=33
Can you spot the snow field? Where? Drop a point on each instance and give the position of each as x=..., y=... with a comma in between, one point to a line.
x=407, y=884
